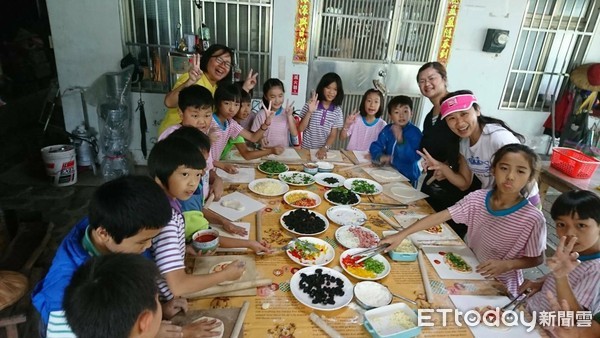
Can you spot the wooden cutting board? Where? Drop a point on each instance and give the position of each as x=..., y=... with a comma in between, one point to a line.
x=227, y=316
x=203, y=265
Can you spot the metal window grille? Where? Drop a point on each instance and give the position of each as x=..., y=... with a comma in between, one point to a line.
x=154, y=27
x=553, y=39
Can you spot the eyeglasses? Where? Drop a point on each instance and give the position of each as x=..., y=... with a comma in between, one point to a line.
x=222, y=62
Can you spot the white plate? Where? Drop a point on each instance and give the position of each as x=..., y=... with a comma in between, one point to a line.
x=319, y=178
x=269, y=173
x=380, y=258
x=307, y=193
x=378, y=187
x=326, y=195
x=283, y=224
x=323, y=259
x=304, y=298
x=342, y=234
x=346, y=215
x=297, y=178
x=253, y=186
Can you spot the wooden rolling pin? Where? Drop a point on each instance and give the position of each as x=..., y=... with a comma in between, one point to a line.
x=331, y=332
x=237, y=328
x=213, y=290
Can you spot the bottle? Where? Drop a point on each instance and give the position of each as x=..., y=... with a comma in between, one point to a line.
x=237, y=71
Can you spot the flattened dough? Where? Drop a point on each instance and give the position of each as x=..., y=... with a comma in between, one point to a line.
x=385, y=174
x=233, y=204
x=400, y=192
x=220, y=329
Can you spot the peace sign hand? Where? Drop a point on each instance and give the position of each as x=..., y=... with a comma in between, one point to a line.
x=251, y=81
x=268, y=113
x=351, y=118
x=195, y=72
x=289, y=108
x=313, y=103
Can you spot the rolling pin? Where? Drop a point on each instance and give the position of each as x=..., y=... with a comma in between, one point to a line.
x=213, y=290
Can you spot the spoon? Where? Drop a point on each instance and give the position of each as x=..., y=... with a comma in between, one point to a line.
x=401, y=297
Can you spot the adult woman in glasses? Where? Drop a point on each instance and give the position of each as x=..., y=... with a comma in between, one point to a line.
x=440, y=142
x=208, y=71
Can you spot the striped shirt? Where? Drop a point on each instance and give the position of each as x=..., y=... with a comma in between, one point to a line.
x=513, y=233
x=209, y=160
x=362, y=134
x=278, y=134
x=224, y=131
x=58, y=326
x=584, y=281
x=319, y=127
x=168, y=249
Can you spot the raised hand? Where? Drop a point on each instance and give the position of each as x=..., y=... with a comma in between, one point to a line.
x=351, y=118
x=289, y=108
x=313, y=103
x=268, y=113
x=250, y=81
x=564, y=260
x=195, y=72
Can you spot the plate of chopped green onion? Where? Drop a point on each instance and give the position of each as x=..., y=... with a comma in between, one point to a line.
x=363, y=186
x=330, y=180
x=297, y=178
x=272, y=167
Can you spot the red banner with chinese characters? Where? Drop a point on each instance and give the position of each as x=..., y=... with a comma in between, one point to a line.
x=448, y=31
x=301, y=29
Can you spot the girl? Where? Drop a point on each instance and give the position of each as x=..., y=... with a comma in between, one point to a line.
x=283, y=131
x=364, y=131
x=227, y=104
x=577, y=218
x=505, y=231
x=440, y=142
x=480, y=137
x=239, y=141
x=322, y=115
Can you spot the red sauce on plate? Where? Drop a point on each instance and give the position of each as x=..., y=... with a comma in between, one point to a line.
x=436, y=261
x=442, y=253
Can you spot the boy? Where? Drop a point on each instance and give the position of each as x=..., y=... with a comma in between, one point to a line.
x=177, y=166
x=110, y=227
x=195, y=110
x=398, y=142
x=118, y=290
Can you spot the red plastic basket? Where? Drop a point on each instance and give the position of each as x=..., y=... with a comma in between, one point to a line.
x=573, y=162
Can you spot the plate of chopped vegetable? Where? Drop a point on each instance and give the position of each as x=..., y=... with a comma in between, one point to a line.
x=321, y=288
x=342, y=196
x=374, y=268
x=302, y=199
x=297, y=178
x=330, y=180
x=346, y=215
x=304, y=222
x=309, y=251
x=363, y=186
x=271, y=167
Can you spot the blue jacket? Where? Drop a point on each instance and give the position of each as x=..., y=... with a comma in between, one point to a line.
x=404, y=155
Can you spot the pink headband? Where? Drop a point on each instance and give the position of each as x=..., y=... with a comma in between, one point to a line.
x=457, y=103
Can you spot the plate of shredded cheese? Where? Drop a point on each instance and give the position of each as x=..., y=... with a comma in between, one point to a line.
x=268, y=187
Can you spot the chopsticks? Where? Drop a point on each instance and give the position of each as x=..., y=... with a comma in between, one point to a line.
x=518, y=300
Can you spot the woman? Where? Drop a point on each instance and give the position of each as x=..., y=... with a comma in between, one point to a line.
x=441, y=143
x=208, y=71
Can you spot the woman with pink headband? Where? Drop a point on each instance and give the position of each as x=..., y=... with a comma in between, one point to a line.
x=481, y=136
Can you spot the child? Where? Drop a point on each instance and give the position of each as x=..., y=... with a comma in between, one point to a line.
x=505, y=231
x=177, y=166
x=577, y=215
x=480, y=137
x=118, y=292
x=398, y=142
x=239, y=141
x=227, y=104
x=364, y=131
x=282, y=132
x=322, y=116
x=110, y=227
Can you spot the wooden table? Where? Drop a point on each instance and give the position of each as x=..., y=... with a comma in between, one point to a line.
x=274, y=312
x=552, y=177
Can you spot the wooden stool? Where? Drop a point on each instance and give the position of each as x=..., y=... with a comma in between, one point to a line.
x=13, y=286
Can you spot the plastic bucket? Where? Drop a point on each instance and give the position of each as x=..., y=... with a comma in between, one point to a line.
x=60, y=164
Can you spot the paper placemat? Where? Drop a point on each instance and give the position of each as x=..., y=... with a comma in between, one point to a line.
x=362, y=156
x=402, y=192
x=250, y=206
x=332, y=156
x=435, y=254
x=244, y=175
x=385, y=174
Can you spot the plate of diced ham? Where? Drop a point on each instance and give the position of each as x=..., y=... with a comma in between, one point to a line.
x=351, y=236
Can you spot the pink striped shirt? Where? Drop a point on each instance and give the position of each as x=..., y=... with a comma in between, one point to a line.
x=168, y=249
x=278, y=133
x=209, y=160
x=584, y=282
x=362, y=134
x=513, y=233
x=230, y=129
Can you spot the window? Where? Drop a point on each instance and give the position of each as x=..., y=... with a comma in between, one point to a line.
x=554, y=38
x=152, y=28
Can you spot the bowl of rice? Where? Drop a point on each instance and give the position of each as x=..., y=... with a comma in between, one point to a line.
x=395, y=320
x=268, y=187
